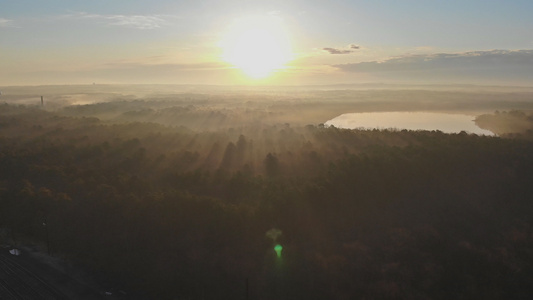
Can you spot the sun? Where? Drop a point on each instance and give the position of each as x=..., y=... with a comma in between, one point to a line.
x=257, y=45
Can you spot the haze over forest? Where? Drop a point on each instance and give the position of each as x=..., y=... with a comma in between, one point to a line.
x=183, y=149
x=183, y=191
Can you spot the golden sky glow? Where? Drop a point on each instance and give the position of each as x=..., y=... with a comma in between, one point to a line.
x=286, y=42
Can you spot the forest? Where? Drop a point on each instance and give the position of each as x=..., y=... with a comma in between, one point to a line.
x=185, y=195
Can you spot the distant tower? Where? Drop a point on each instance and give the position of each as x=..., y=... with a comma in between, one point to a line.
x=42, y=101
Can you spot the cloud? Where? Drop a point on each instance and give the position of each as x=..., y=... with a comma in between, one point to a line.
x=477, y=67
x=351, y=49
x=475, y=60
x=144, y=22
x=129, y=21
x=141, y=22
x=6, y=22
x=337, y=51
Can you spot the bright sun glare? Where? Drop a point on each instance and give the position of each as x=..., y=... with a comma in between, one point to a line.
x=258, y=46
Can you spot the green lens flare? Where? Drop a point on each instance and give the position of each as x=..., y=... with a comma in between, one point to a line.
x=278, y=249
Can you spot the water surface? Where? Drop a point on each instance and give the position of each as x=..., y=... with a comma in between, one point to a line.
x=448, y=123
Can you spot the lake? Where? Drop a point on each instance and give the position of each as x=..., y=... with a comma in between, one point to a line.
x=448, y=123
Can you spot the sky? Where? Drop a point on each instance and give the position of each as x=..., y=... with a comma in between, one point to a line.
x=289, y=42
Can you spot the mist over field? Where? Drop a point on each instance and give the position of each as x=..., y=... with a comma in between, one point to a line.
x=211, y=192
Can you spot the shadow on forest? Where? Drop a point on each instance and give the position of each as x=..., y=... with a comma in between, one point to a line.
x=178, y=212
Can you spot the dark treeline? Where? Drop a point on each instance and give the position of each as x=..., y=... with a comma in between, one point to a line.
x=514, y=123
x=174, y=213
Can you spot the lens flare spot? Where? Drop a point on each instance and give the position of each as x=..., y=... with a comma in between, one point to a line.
x=278, y=248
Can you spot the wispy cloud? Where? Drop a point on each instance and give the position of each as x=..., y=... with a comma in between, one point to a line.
x=141, y=22
x=475, y=60
x=129, y=21
x=351, y=49
x=6, y=22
